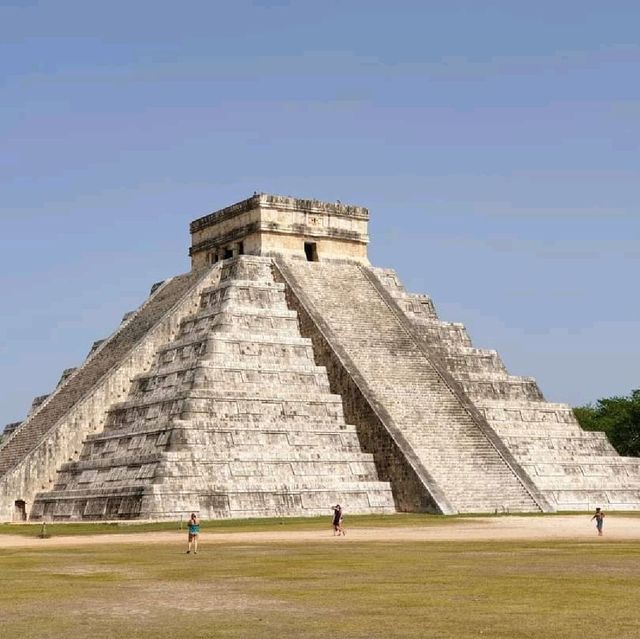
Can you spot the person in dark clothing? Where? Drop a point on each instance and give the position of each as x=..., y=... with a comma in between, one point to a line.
x=337, y=521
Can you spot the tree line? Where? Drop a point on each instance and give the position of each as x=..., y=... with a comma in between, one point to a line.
x=618, y=417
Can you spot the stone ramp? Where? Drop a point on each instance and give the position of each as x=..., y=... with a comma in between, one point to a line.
x=465, y=471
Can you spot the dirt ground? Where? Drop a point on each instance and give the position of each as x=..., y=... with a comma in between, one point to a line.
x=557, y=527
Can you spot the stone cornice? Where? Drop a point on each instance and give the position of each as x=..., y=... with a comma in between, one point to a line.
x=283, y=203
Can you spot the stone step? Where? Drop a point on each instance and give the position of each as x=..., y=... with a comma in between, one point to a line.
x=236, y=350
x=235, y=320
x=256, y=295
x=609, y=500
x=579, y=481
x=253, y=340
x=246, y=368
x=544, y=429
x=206, y=474
x=264, y=424
x=253, y=453
x=588, y=465
x=252, y=484
x=232, y=285
x=525, y=408
x=118, y=426
x=558, y=451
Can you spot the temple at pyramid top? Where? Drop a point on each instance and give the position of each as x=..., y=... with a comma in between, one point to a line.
x=270, y=225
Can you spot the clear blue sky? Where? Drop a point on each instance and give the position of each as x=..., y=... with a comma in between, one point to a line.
x=495, y=143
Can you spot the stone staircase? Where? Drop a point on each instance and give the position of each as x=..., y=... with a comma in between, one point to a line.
x=573, y=469
x=462, y=461
x=233, y=419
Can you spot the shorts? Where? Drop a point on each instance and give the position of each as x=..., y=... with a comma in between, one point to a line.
x=193, y=536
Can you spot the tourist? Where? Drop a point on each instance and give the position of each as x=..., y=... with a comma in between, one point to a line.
x=194, y=531
x=337, y=520
x=599, y=517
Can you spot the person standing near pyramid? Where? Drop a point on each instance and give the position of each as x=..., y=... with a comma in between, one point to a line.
x=194, y=531
x=599, y=517
x=337, y=520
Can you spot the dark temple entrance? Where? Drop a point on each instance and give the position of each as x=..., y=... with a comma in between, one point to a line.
x=19, y=510
x=311, y=251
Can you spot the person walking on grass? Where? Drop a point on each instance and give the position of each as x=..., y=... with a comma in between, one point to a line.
x=337, y=520
x=599, y=517
x=194, y=531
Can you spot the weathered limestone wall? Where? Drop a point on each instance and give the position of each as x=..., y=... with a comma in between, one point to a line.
x=62, y=442
x=328, y=248
x=233, y=419
x=276, y=225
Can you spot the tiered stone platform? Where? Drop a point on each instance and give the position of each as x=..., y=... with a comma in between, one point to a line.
x=572, y=468
x=234, y=419
x=53, y=433
x=285, y=374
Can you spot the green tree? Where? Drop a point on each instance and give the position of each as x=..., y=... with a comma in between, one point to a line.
x=618, y=417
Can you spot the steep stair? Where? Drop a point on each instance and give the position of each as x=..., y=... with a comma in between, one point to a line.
x=471, y=472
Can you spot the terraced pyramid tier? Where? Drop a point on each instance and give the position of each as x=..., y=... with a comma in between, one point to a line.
x=54, y=430
x=233, y=419
x=574, y=469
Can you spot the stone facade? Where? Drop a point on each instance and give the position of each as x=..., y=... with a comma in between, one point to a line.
x=284, y=374
x=233, y=419
x=276, y=225
x=54, y=433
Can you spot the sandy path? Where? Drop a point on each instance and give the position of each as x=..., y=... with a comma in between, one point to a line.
x=575, y=527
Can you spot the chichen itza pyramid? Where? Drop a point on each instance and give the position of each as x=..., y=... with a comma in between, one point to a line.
x=283, y=374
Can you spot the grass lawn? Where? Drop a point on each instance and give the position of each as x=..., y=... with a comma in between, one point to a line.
x=343, y=588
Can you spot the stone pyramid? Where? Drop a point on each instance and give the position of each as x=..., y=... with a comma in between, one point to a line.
x=233, y=419
x=283, y=374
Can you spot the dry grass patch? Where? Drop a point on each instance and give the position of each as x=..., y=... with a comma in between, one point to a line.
x=355, y=589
